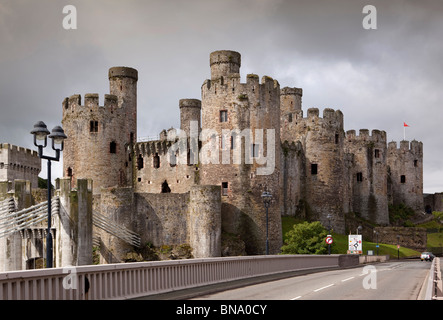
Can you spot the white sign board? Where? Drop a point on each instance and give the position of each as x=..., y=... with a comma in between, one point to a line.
x=355, y=244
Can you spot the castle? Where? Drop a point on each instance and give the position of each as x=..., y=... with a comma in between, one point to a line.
x=195, y=183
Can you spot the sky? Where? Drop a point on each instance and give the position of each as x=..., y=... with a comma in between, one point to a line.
x=379, y=78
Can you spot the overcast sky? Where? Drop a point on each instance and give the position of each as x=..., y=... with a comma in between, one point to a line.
x=377, y=78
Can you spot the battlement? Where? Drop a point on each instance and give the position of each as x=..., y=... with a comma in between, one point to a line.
x=123, y=72
x=375, y=136
x=150, y=148
x=328, y=114
x=7, y=147
x=91, y=101
x=414, y=146
x=288, y=91
x=333, y=117
x=190, y=103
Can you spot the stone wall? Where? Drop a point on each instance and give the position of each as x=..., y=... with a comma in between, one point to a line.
x=414, y=238
x=154, y=171
x=162, y=218
x=433, y=202
x=17, y=163
x=165, y=219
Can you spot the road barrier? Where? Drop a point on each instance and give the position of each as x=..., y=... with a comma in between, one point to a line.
x=434, y=286
x=138, y=279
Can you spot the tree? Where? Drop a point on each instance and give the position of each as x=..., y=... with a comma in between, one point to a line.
x=306, y=238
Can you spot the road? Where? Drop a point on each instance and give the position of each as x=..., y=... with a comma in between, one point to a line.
x=394, y=280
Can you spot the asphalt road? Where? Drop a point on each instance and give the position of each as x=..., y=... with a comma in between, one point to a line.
x=394, y=280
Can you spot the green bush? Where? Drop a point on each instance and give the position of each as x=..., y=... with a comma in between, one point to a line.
x=400, y=214
x=306, y=238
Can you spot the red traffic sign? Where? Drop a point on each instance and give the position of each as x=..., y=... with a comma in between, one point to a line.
x=329, y=240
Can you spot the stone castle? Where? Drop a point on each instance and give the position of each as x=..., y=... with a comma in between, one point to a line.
x=206, y=178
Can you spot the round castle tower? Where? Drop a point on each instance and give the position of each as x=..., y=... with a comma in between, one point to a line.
x=243, y=167
x=190, y=110
x=322, y=140
x=405, y=170
x=100, y=138
x=290, y=99
x=368, y=175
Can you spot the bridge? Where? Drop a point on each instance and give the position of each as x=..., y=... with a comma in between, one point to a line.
x=144, y=279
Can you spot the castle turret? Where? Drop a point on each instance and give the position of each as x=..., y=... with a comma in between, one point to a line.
x=290, y=99
x=100, y=138
x=369, y=174
x=405, y=167
x=190, y=110
x=224, y=63
x=123, y=84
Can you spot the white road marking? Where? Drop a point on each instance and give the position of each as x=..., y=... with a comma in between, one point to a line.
x=298, y=297
x=330, y=285
x=347, y=279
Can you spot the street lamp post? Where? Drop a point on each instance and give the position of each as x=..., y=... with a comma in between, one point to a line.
x=57, y=136
x=267, y=196
x=376, y=236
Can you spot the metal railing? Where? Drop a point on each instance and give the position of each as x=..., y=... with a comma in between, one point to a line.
x=139, y=279
x=106, y=224
x=14, y=221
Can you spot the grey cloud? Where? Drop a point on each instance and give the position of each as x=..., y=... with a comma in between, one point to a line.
x=378, y=78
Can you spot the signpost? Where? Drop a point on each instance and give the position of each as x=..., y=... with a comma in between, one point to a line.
x=355, y=244
x=329, y=241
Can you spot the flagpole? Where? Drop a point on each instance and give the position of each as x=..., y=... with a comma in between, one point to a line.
x=404, y=133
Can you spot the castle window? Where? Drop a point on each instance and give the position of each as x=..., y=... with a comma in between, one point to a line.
x=377, y=153
x=139, y=179
x=69, y=172
x=165, y=187
x=113, y=147
x=314, y=168
x=290, y=116
x=359, y=177
x=233, y=137
x=224, y=188
x=416, y=163
x=156, y=161
x=402, y=179
x=139, y=162
x=93, y=126
x=2, y=165
x=223, y=116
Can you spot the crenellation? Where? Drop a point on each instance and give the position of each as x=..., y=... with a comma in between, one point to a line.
x=91, y=100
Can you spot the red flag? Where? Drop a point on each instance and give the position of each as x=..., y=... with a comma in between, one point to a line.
x=405, y=125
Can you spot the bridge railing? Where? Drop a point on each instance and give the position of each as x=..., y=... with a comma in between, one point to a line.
x=434, y=286
x=132, y=280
